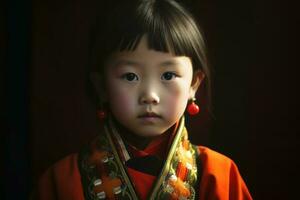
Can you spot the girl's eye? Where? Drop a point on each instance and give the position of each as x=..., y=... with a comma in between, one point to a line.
x=168, y=76
x=130, y=77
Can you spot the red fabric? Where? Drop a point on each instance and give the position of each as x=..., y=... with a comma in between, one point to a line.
x=61, y=181
x=221, y=179
x=142, y=182
x=157, y=147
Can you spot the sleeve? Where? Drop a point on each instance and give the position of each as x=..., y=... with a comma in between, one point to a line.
x=220, y=179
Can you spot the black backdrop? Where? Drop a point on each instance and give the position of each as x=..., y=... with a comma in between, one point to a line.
x=251, y=45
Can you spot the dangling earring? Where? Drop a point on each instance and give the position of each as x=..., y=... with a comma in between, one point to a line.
x=193, y=108
x=101, y=112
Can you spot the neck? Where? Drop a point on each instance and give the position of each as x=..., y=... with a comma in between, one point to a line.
x=131, y=138
x=137, y=141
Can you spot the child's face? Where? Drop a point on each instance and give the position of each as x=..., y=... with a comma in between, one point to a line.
x=148, y=90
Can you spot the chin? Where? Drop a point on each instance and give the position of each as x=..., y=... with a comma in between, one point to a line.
x=149, y=132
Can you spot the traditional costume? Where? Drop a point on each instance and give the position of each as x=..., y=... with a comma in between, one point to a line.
x=169, y=168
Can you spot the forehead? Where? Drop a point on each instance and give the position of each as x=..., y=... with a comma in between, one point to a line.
x=143, y=55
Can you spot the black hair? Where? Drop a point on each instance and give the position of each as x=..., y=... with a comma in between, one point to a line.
x=169, y=27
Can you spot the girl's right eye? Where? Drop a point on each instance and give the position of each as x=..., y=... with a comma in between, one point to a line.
x=130, y=77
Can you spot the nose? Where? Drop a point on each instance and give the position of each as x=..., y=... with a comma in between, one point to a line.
x=149, y=98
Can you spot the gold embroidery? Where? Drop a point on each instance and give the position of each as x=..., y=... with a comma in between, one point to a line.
x=104, y=174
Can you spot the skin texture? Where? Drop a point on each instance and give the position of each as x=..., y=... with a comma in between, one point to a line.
x=148, y=90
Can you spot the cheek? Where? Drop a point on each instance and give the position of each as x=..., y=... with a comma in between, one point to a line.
x=119, y=98
x=176, y=98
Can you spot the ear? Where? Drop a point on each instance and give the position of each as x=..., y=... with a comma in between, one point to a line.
x=198, y=77
x=98, y=83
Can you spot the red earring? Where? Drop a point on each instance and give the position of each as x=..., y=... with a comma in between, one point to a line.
x=102, y=111
x=101, y=114
x=193, y=108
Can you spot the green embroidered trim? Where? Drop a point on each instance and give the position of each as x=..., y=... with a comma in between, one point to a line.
x=177, y=179
x=91, y=177
x=125, y=176
x=180, y=189
x=166, y=166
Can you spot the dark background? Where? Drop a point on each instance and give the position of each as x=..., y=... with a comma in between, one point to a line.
x=252, y=47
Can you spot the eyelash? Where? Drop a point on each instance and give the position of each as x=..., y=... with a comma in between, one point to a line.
x=133, y=77
x=173, y=74
x=126, y=76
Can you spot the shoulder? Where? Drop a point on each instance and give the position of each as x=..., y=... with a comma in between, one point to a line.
x=62, y=180
x=216, y=164
x=64, y=168
x=66, y=164
x=209, y=157
x=221, y=178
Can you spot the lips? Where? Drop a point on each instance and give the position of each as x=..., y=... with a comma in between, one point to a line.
x=149, y=115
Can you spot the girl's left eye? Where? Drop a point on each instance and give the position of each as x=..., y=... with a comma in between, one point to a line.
x=168, y=76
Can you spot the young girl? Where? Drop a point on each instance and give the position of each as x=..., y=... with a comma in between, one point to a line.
x=147, y=62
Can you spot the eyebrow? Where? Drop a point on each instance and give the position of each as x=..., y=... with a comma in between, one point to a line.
x=126, y=62
x=170, y=63
x=135, y=63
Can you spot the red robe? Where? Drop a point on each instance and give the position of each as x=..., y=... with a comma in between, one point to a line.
x=220, y=179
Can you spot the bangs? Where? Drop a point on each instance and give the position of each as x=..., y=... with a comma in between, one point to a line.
x=168, y=27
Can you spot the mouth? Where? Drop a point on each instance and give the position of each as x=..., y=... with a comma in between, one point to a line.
x=149, y=115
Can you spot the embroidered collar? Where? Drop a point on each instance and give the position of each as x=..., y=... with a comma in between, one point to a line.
x=104, y=175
